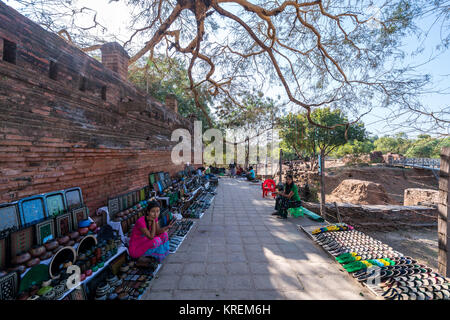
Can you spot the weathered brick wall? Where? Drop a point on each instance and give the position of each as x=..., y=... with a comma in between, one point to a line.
x=55, y=136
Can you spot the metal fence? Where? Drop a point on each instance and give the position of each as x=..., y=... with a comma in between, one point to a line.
x=425, y=163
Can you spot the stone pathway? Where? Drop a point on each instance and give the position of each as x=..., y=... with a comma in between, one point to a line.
x=239, y=251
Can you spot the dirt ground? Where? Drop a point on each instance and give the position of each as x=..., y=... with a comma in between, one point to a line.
x=393, y=180
x=421, y=245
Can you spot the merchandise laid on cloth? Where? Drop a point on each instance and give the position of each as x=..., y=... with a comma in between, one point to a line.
x=384, y=271
x=178, y=233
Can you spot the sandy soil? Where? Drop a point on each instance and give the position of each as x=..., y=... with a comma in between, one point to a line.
x=422, y=245
x=393, y=180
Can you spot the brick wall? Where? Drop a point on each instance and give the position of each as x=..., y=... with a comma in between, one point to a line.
x=81, y=125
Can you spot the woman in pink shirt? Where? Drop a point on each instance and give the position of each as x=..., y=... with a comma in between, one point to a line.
x=147, y=238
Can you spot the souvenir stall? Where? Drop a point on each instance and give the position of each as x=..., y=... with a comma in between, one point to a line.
x=43, y=237
x=384, y=271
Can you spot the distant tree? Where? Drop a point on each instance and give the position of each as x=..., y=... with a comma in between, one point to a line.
x=398, y=143
x=319, y=140
x=427, y=147
x=355, y=147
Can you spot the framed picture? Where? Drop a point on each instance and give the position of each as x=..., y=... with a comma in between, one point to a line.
x=21, y=240
x=32, y=210
x=113, y=206
x=79, y=215
x=9, y=216
x=45, y=231
x=74, y=198
x=142, y=194
x=56, y=203
x=124, y=202
x=130, y=199
x=152, y=179
x=64, y=224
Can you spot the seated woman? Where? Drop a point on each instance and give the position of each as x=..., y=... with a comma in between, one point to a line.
x=287, y=199
x=251, y=175
x=147, y=238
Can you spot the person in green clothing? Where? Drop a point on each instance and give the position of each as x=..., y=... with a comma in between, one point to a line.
x=287, y=199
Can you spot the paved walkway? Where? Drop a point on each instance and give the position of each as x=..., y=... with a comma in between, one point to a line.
x=239, y=251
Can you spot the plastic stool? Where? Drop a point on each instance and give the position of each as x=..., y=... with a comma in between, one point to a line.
x=296, y=212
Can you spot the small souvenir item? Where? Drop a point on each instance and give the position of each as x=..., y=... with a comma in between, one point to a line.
x=130, y=199
x=64, y=224
x=84, y=223
x=86, y=244
x=51, y=245
x=79, y=215
x=9, y=286
x=9, y=217
x=59, y=259
x=74, y=235
x=55, y=202
x=83, y=231
x=74, y=199
x=78, y=294
x=21, y=258
x=36, y=275
x=22, y=240
x=45, y=231
x=113, y=206
x=19, y=269
x=32, y=210
x=63, y=240
x=32, y=262
x=37, y=251
x=45, y=256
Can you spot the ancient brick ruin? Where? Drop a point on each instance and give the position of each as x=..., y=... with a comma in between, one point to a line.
x=68, y=120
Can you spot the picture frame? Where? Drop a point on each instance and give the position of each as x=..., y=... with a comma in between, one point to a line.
x=130, y=201
x=45, y=231
x=113, y=206
x=32, y=210
x=21, y=240
x=74, y=198
x=142, y=194
x=9, y=217
x=64, y=224
x=79, y=215
x=56, y=203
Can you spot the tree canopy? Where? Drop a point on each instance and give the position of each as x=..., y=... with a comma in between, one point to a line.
x=162, y=77
x=308, y=140
x=320, y=53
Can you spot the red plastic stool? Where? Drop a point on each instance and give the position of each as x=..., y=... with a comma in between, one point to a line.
x=268, y=186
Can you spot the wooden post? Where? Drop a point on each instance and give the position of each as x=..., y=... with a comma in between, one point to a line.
x=338, y=215
x=322, y=183
x=281, y=165
x=443, y=215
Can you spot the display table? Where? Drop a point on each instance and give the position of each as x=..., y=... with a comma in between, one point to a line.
x=120, y=250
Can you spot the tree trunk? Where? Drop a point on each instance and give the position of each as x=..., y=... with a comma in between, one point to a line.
x=322, y=183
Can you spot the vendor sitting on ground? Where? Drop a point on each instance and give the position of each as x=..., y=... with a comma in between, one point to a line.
x=287, y=199
x=239, y=171
x=251, y=174
x=147, y=238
